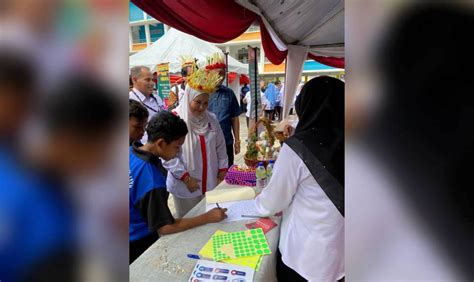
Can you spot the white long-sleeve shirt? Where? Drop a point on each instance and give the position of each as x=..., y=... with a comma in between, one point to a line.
x=153, y=105
x=312, y=229
x=248, y=101
x=210, y=156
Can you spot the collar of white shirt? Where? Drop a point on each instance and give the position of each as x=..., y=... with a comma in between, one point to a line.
x=141, y=95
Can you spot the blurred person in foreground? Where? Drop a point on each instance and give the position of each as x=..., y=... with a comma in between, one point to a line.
x=308, y=186
x=202, y=164
x=143, y=92
x=17, y=85
x=17, y=75
x=40, y=239
x=150, y=215
x=31, y=26
x=409, y=188
x=225, y=106
x=137, y=120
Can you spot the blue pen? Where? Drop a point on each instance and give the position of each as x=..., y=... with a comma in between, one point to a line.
x=193, y=256
x=218, y=205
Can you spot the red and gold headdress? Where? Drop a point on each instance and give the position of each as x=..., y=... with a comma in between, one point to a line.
x=215, y=61
x=188, y=61
x=205, y=81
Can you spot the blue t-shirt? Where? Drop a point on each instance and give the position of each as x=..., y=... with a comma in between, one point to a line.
x=148, y=198
x=225, y=106
x=36, y=221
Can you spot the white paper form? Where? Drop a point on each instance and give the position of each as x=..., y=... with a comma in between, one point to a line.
x=236, y=209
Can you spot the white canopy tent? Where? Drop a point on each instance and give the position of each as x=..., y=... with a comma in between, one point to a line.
x=174, y=44
x=301, y=28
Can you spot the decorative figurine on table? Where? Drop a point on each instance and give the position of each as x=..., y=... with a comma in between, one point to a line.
x=261, y=147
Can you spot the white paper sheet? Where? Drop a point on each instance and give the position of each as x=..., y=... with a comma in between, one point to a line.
x=236, y=209
x=206, y=270
x=229, y=195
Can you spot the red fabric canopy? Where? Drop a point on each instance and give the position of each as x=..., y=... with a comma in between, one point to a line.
x=218, y=21
x=271, y=50
x=244, y=79
x=231, y=76
x=328, y=61
x=215, y=21
x=174, y=78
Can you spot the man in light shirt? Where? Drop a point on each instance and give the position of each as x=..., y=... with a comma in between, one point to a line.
x=142, y=92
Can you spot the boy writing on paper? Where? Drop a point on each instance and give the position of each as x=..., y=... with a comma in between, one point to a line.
x=150, y=216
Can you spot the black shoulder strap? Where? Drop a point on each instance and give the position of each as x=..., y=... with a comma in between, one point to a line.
x=145, y=105
x=331, y=187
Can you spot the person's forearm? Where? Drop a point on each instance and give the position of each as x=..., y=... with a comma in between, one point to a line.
x=236, y=128
x=182, y=224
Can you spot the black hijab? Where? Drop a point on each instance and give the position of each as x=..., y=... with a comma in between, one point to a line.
x=319, y=136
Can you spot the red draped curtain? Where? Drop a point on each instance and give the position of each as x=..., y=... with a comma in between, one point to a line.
x=231, y=76
x=271, y=50
x=244, y=79
x=218, y=21
x=215, y=21
x=328, y=61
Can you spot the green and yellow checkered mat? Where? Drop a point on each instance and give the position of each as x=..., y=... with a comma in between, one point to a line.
x=250, y=261
x=240, y=244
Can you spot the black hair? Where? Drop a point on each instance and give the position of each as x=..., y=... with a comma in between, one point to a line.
x=82, y=105
x=17, y=71
x=184, y=72
x=167, y=126
x=137, y=110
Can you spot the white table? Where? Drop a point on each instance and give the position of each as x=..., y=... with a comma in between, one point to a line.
x=166, y=259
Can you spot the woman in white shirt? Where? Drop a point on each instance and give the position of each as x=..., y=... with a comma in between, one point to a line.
x=308, y=186
x=203, y=160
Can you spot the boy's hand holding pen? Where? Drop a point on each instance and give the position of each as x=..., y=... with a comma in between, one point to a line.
x=216, y=214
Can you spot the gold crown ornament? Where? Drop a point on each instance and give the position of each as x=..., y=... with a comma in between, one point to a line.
x=215, y=61
x=188, y=61
x=205, y=81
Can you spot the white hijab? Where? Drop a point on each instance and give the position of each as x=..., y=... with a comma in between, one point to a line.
x=197, y=125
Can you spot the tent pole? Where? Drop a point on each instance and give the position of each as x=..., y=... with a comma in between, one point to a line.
x=256, y=86
x=226, y=69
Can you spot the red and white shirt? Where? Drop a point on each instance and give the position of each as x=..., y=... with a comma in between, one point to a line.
x=210, y=157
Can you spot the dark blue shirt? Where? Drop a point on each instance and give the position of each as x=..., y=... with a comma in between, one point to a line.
x=147, y=194
x=225, y=106
x=37, y=220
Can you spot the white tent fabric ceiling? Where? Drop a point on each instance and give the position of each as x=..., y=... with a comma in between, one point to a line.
x=314, y=23
x=301, y=27
x=174, y=44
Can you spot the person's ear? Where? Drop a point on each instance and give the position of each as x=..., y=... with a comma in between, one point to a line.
x=160, y=144
x=134, y=79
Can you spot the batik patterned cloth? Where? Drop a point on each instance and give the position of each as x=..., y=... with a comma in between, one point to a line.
x=241, y=176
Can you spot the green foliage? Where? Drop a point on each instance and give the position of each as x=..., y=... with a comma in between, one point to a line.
x=252, y=151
